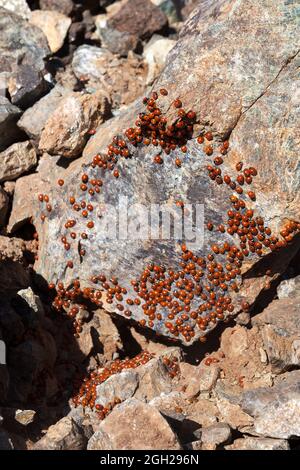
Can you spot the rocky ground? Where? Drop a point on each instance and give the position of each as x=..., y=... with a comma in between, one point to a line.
x=79, y=376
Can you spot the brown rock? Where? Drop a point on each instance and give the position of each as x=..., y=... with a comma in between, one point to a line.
x=4, y=201
x=216, y=28
x=25, y=198
x=108, y=335
x=11, y=248
x=54, y=25
x=258, y=443
x=25, y=417
x=273, y=117
x=62, y=6
x=242, y=365
x=189, y=6
x=9, y=187
x=13, y=273
x=131, y=21
x=85, y=340
x=204, y=412
x=198, y=379
x=233, y=414
x=148, y=429
x=66, y=130
x=64, y=435
x=123, y=79
x=168, y=403
x=16, y=160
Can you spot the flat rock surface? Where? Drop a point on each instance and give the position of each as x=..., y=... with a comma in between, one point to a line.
x=225, y=104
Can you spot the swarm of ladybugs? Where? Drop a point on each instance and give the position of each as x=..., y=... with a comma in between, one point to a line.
x=86, y=388
x=196, y=294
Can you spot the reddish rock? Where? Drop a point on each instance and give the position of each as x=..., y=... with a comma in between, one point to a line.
x=67, y=129
x=135, y=425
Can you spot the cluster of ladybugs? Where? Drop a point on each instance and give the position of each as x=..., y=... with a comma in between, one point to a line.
x=196, y=294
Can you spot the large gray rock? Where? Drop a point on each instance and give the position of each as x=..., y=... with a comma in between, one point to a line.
x=23, y=48
x=289, y=288
x=277, y=409
x=9, y=131
x=280, y=329
x=214, y=435
x=241, y=78
x=26, y=85
x=34, y=119
x=122, y=386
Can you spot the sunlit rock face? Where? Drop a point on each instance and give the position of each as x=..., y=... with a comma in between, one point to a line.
x=239, y=78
